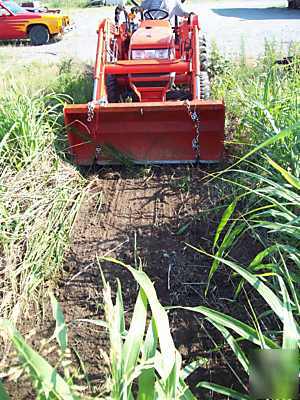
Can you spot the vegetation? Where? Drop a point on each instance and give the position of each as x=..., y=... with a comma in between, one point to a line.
x=40, y=196
x=65, y=4
x=40, y=193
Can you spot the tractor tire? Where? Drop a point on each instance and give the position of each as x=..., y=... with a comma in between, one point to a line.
x=293, y=4
x=113, y=93
x=39, y=35
x=178, y=95
x=204, y=86
x=203, y=53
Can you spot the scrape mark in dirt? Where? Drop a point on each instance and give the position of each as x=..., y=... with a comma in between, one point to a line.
x=137, y=217
x=140, y=216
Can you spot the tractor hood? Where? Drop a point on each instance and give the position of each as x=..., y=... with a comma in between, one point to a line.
x=153, y=35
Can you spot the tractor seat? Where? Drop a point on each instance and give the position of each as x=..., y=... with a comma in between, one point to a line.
x=152, y=34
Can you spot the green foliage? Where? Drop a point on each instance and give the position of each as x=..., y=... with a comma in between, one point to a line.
x=261, y=99
x=39, y=195
x=144, y=354
x=65, y=4
x=264, y=99
x=75, y=81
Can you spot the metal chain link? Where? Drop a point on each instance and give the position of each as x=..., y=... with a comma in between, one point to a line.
x=196, y=121
x=91, y=111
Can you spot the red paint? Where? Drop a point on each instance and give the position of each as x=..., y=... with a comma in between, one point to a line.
x=14, y=26
x=153, y=129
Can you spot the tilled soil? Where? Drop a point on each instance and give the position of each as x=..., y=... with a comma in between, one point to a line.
x=148, y=217
x=137, y=217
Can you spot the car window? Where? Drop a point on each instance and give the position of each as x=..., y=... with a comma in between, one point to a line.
x=3, y=12
x=13, y=7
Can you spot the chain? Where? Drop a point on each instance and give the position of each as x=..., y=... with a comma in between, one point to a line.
x=196, y=121
x=91, y=111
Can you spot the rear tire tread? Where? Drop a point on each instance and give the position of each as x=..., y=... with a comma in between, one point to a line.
x=204, y=86
x=39, y=35
x=113, y=93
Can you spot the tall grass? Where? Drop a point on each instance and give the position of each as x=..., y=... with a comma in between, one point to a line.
x=264, y=102
x=39, y=196
x=143, y=361
x=44, y=194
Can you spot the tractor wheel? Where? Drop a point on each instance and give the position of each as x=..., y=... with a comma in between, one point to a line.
x=203, y=53
x=178, y=95
x=204, y=86
x=294, y=4
x=39, y=35
x=113, y=93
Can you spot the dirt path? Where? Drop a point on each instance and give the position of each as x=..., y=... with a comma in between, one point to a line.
x=137, y=218
x=235, y=26
x=145, y=217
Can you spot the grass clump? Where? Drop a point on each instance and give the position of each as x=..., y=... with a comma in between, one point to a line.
x=39, y=196
x=65, y=4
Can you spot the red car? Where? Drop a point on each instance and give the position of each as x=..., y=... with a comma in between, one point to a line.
x=18, y=23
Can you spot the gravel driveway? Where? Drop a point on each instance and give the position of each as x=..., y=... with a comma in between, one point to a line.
x=232, y=25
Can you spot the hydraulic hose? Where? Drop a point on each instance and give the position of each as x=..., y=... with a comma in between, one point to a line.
x=135, y=3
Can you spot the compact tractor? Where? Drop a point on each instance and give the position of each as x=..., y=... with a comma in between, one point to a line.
x=151, y=94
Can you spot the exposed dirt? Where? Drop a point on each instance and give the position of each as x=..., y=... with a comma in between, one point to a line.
x=138, y=217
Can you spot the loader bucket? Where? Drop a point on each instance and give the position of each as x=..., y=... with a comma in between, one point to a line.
x=145, y=133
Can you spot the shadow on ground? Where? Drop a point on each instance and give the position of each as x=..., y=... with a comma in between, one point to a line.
x=147, y=217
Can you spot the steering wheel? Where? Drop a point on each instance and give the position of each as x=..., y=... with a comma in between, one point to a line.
x=148, y=14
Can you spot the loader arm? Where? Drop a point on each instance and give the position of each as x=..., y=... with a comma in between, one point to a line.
x=149, y=129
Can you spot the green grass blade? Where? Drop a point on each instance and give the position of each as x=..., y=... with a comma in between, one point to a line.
x=61, y=332
x=96, y=322
x=270, y=297
x=172, y=382
x=3, y=392
x=159, y=315
x=239, y=327
x=225, y=218
x=40, y=369
x=291, y=337
x=233, y=394
x=240, y=355
x=262, y=255
x=193, y=366
x=147, y=377
x=184, y=393
x=231, y=235
x=120, y=308
x=134, y=338
x=287, y=176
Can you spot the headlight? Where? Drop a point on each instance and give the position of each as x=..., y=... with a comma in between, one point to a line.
x=161, y=54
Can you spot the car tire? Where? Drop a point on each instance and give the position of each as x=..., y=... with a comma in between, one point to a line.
x=39, y=35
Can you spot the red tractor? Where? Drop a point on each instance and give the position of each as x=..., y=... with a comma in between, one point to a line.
x=151, y=95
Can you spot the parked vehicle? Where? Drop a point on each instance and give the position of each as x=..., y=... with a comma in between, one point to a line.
x=17, y=23
x=36, y=6
x=106, y=2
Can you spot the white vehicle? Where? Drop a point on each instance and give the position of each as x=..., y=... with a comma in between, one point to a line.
x=107, y=3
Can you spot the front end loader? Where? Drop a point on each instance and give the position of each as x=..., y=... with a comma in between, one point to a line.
x=150, y=101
